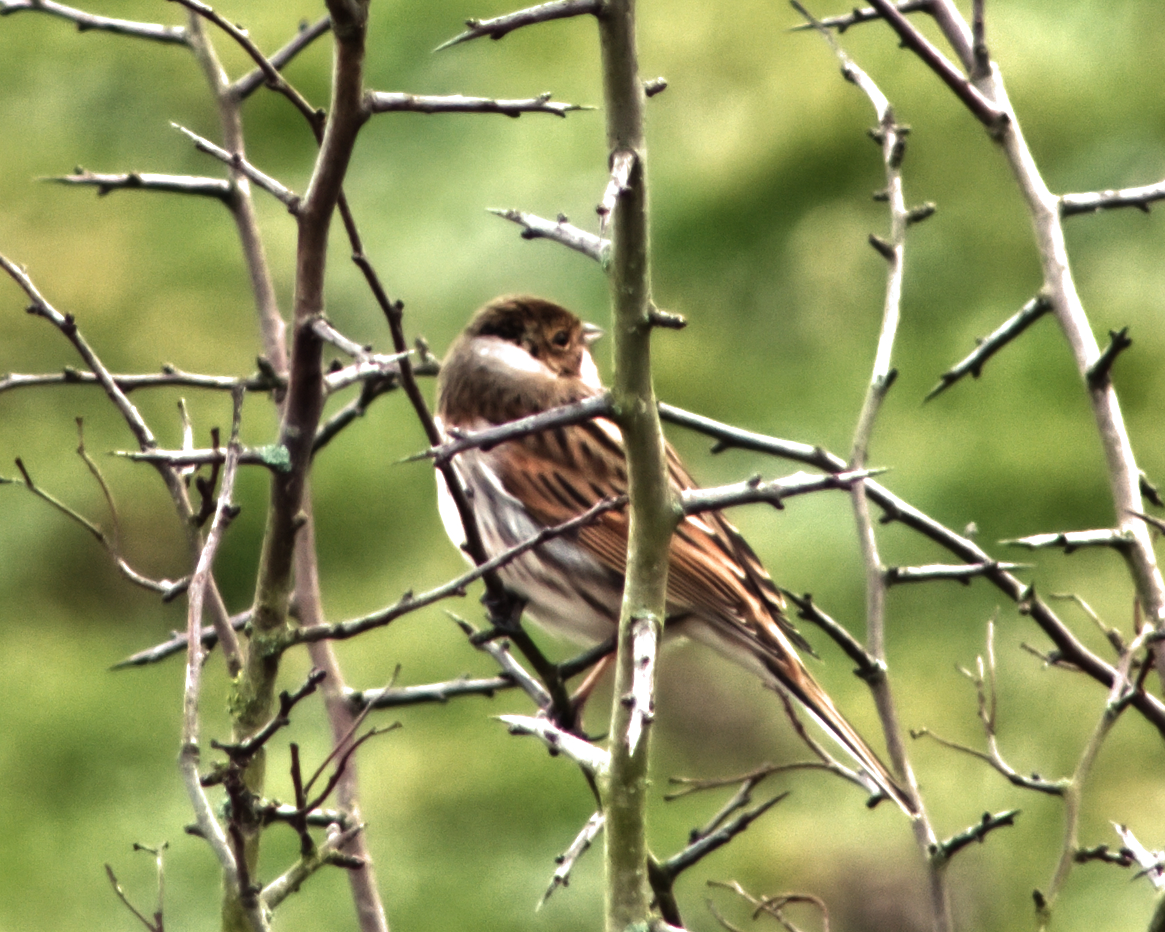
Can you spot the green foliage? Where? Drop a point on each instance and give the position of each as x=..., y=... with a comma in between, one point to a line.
x=761, y=178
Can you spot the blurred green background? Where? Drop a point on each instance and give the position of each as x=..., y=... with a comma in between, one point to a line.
x=761, y=179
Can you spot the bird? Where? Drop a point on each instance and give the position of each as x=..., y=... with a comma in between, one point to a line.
x=521, y=355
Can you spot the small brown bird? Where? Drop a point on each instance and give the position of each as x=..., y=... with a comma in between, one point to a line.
x=521, y=355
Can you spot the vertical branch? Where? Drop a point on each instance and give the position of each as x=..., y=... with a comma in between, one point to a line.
x=242, y=206
x=652, y=514
x=1060, y=287
x=253, y=701
x=892, y=138
x=305, y=392
x=370, y=911
x=249, y=910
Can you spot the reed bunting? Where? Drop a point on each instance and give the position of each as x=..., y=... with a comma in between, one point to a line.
x=521, y=355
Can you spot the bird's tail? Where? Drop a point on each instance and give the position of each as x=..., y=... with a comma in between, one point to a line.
x=795, y=680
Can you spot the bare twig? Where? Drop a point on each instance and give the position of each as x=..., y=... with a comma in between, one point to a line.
x=593, y=760
x=989, y=346
x=963, y=573
x=1073, y=540
x=409, y=602
x=599, y=406
x=976, y=833
x=994, y=118
x=235, y=160
x=1070, y=648
x=1092, y=201
x=701, y=847
x=500, y=26
x=148, y=181
x=208, y=824
x=864, y=15
x=568, y=859
x=772, y=905
x=560, y=231
x=90, y=22
x=250, y=82
x=388, y=102
x=774, y=492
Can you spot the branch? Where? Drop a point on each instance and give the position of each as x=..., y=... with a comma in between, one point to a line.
x=1036, y=308
x=391, y=697
x=992, y=117
x=1150, y=862
x=570, y=856
x=208, y=824
x=774, y=492
x=270, y=73
x=865, y=15
x=250, y=82
x=146, y=181
x=560, y=231
x=704, y=845
x=236, y=161
x=945, y=850
x=330, y=852
x=499, y=650
x=984, y=682
x=1074, y=540
x=168, y=589
x=177, y=644
x=387, y=102
x=89, y=22
x=169, y=377
x=593, y=760
x=963, y=573
x=500, y=26
x=1093, y=201
x=487, y=438
x=409, y=602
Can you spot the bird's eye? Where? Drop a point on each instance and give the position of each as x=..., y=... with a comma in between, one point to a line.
x=561, y=338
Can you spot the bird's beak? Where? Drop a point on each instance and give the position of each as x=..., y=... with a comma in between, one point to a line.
x=591, y=333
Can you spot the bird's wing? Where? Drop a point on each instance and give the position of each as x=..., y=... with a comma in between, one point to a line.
x=713, y=573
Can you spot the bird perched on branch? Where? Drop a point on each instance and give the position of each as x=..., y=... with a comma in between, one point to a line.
x=522, y=355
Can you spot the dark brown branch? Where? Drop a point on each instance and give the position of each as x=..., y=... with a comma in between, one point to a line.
x=986, y=112
x=1099, y=374
x=250, y=82
x=703, y=846
x=868, y=666
x=500, y=26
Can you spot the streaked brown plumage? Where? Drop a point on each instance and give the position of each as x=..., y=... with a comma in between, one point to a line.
x=521, y=355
